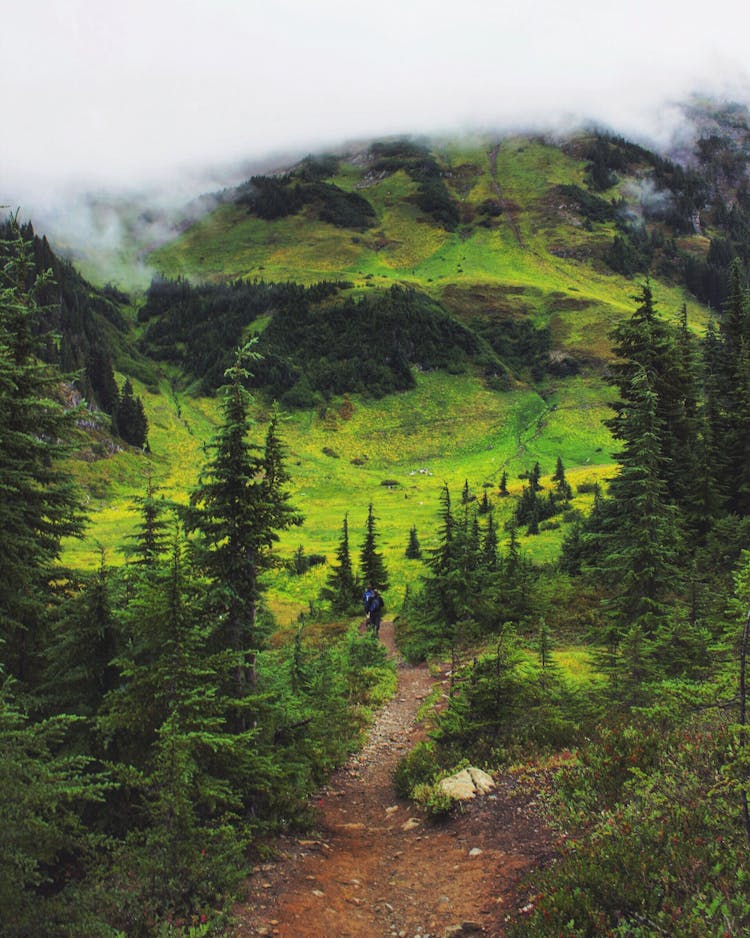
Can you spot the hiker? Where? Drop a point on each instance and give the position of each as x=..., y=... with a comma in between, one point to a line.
x=366, y=600
x=375, y=612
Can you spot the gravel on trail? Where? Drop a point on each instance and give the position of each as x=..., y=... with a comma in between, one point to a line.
x=376, y=867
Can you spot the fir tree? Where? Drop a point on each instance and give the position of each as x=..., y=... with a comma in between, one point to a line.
x=639, y=539
x=563, y=490
x=236, y=511
x=85, y=640
x=413, y=550
x=40, y=503
x=342, y=589
x=130, y=416
x=489, y=545
x=503, y=489
x=372, y=566
x=150, y=536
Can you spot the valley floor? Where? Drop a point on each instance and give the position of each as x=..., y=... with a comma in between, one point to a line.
x=375, y=867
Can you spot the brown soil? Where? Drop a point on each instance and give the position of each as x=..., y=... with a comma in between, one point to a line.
x=376, y=867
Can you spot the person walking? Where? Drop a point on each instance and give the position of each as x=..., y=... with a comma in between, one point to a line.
x=375, y=612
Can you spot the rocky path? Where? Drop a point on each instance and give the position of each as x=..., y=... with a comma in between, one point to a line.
x=377, y=868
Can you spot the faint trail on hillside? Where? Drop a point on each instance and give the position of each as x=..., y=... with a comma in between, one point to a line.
x=376, y=867
x=507, y=211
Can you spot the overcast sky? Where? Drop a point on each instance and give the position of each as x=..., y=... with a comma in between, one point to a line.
x=96, y=92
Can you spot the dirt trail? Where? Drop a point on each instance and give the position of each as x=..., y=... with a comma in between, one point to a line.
x=377, y=868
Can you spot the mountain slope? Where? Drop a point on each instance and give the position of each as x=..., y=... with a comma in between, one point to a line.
x=527, y=247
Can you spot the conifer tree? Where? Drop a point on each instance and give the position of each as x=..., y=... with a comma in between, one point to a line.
x=413, y=549
x=130, y=416
x=236, y=511
x=150, y=537
x=489, y=545
x=372, y=566
x=562, y=488
x=39, y=502
x=503, y=488
x=639, y=540
x=85, y=640
x=734, y=391
x=342, y=589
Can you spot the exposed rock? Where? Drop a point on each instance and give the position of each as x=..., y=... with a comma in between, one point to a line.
x=466, y=784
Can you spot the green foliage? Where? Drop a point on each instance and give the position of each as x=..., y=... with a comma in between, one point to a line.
x=592, y=207
x=130, y=418
x=342, y=587
x=417, y=767
x=372, y=567
x=413, y=550
x=658, y=846
x=519, y=344
x=40, y=504
x=43, y=794
x=365, y=345
x=84, y=332
x=272, y=197
x=506, y=704
x=432, y=195
x=198, y=327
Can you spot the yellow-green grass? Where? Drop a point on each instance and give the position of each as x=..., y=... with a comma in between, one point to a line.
x=449, y=430
x=405, y=246
x=577, y=665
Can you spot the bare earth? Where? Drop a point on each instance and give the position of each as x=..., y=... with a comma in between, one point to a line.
x=376, y=868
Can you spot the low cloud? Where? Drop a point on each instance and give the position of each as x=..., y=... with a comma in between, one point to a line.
x=135, y=98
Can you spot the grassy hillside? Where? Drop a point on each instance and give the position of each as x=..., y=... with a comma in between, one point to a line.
x=497, y=232
x=396, y=453
x=533, y=257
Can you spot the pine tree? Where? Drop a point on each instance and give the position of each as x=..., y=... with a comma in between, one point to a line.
x=43, y=795
x=639, y=540
x=236, y=511
x=563, y=490
x=130, y=416
x=489, y=545
x=503, y=489
x=342, y=589
x=150, y=536
x=85, y=640
x=372, y=566
x=413, y=550
x=40, y=504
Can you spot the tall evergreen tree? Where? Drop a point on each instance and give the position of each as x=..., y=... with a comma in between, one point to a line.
x=236, y=511
x=413, y=549
x=39, y=502
x=150, y=537
x=130, y=416
x=342, y=589
x=639, y=540
x=372, y=568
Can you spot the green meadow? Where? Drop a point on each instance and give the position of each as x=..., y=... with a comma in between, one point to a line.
x=535, y=258
x=397, y=453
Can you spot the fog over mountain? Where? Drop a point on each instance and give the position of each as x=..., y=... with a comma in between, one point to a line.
x=168, y=99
